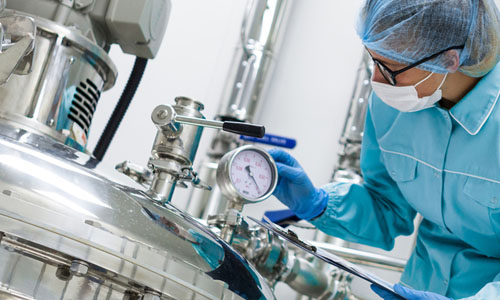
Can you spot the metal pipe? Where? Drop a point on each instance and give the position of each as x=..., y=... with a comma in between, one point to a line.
x=306, y=279
x=364, y=257
x=348, y=166
x=262, y=31
x=261, y=34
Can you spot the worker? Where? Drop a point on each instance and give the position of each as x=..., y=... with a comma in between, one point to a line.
x=431, y=146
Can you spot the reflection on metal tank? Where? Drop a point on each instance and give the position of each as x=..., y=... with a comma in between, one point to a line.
x=69, y=233
x=59, y=95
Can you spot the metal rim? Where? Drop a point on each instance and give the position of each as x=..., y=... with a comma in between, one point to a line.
x=80, y=42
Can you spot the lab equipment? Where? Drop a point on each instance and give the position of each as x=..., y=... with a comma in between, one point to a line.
x=179, y=132
x=67, y=232
x=329, y=258
x=348, y=166
x=61, y=65
x=295, y=189
x=247, y=175
x=384, y=27
x=260, y=37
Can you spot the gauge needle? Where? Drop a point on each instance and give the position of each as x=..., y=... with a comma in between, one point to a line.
x=247, y=168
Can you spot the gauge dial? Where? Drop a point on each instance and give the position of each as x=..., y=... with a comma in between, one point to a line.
x=251, y=174
x=247, y=175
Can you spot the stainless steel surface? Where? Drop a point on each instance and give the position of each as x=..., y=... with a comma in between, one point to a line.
x=348, y=166
x=59, y=96
x=262, y=31
x=137, y=26
x=199, y=200
x=199, y=122
x=138, y=173
x=13, y=56
x=203, y=204
x=174, y=148
x=277, y=261
x=228, y=223
x=16, y=45
x=226, y=184
x=306, y=279
x=364, y=257
x=58, y=216
x=183, y=148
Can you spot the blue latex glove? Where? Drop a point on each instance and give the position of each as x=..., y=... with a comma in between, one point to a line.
x=295, y=189
x=407, y=293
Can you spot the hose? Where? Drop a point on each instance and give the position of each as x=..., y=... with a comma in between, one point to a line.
x=121, y=108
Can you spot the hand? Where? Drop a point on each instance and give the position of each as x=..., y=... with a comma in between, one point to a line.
x=407, y=293
x=295, y=189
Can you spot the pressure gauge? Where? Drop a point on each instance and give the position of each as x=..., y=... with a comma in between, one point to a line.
x=247, y=175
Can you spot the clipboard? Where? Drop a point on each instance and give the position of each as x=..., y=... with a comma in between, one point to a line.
x=327, y=257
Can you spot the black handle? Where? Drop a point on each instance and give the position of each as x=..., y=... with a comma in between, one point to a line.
x=244, y=129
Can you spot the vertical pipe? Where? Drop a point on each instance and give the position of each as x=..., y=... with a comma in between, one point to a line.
x=261, y=34
x=348, y=165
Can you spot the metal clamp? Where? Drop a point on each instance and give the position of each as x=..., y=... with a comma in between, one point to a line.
x=17, y=37
x=189, y=175
x=139, y=174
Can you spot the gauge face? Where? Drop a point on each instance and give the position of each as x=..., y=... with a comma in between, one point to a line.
x=251, y=174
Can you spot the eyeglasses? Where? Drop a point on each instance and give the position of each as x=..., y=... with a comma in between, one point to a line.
x=390, y=75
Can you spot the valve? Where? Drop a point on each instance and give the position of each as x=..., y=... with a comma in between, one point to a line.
x=166, y=120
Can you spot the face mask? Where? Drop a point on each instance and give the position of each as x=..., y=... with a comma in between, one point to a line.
x=405, y=98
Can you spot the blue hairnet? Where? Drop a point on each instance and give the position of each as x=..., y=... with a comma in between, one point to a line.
x=409, y=30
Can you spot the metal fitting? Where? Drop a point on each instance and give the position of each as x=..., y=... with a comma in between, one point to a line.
x=151, y=295
x=79, y=268
x=131, y=295
x=63, y=273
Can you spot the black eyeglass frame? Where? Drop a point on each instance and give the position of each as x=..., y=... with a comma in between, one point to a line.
x=390, y=75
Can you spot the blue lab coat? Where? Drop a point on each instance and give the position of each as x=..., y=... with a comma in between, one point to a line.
x=444, y=165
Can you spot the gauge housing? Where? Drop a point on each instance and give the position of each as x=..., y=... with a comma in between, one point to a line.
x=225, y=180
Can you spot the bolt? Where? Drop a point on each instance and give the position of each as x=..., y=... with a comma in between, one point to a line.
x=79, y=268
x=63, y=273
x=130, y=295
x=162, y=114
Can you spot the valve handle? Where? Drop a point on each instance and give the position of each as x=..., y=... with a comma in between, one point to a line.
x=165, y=119
x=244, y=128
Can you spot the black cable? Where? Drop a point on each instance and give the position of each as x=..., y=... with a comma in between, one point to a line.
x=121, y=108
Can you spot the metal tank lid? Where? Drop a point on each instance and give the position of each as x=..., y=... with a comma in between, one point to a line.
x=49, y=190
